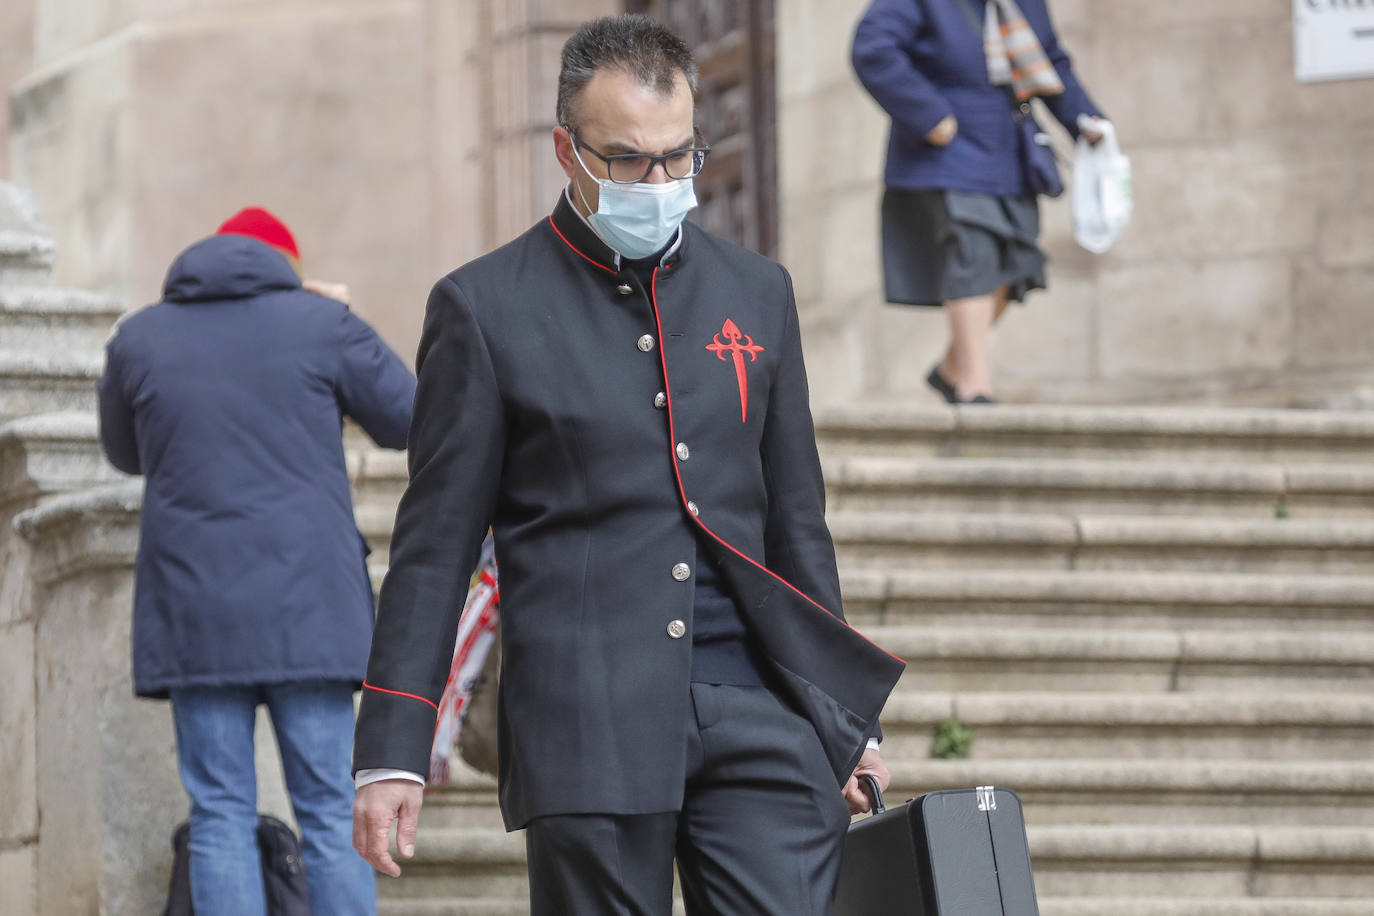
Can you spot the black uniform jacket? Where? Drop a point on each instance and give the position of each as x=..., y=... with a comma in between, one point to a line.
x=610, y=434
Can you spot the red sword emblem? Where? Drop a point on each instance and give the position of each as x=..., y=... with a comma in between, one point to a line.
x=733, y=335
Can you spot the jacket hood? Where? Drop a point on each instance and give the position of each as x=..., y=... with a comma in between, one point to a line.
x=227, y=267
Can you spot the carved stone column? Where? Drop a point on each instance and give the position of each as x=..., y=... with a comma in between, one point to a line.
x=106, y=782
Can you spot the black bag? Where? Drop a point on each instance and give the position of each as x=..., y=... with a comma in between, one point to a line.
x=952, y=853
x=283, y=871
x=1038, y=164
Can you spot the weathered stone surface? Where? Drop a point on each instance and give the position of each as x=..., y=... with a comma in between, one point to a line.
x=1332, y=323
x=1184, y=321
x=1083, y=432
x=1138, y=726
x=106, y=779
x=1117, y=599
x=1199, y=906
x=18, y=750
x=1047, y=485
x=50, y=453
x=18, y=885
x=1048, y=339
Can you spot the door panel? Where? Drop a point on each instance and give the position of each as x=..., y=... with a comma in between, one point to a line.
x=736, y=111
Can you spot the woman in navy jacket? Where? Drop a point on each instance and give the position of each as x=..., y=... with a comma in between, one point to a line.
x=960, y=223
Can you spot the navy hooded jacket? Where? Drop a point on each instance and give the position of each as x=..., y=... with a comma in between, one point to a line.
x=228, y=396
x=923, y=60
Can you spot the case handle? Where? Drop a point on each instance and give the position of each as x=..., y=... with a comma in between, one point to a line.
x=869, y=784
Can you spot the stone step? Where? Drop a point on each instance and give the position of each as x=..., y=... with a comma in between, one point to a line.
x=918, y=541
x=1058, y=486
x=462, y=863
x=37, y=320
x=1233, y=864
x=1219, y=862
x=1163, y=792
x=1202, y=906
x=1187, y=726
x=1114, y=599
x=51, y=453
x=453, y=906
x=1049, y=906
x=26, y=257
x=975, y=659
x=1057, y=790
x=1211, y=434
x=38, y=384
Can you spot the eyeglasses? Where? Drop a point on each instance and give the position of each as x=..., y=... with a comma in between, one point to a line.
x=629, y=168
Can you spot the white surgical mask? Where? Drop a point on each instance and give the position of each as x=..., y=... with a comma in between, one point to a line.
x=638, y=219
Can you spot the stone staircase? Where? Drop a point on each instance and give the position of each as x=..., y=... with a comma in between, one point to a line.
x=1158, y=623
x=51, y=340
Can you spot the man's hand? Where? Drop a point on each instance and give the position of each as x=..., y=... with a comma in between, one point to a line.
x=871, y=764
x=329, y=290
x=377, y=806
x=943, y=133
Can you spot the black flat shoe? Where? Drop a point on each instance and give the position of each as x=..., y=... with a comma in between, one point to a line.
x=979, y=399
x=942, y=385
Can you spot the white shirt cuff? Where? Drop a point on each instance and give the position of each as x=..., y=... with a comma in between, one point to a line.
x=367, y=777
x=872, y=746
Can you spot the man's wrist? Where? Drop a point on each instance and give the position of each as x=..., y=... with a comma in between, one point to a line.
x=378, y=774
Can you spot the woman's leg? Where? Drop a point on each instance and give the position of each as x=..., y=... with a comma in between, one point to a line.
x=970, y=325
x=1002, y=302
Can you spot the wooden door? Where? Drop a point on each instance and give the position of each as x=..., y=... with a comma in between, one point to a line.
x=736, y=112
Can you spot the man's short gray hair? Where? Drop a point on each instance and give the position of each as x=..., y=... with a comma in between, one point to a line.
x=635, y=44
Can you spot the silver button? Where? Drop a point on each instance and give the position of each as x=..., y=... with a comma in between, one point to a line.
x=682, y=572
x=660, y=400
x=683, y=452
x=646, y=343
x=692, y=508
x=624, y=289
x=677, y=629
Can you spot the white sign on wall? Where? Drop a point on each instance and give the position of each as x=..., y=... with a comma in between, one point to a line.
x=1333, y=39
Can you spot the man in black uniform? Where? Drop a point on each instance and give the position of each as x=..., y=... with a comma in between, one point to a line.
x=622, y=397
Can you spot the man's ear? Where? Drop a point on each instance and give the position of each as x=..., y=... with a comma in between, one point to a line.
x=563, y=149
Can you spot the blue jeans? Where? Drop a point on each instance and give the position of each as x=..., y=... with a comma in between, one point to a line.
x=314, y=725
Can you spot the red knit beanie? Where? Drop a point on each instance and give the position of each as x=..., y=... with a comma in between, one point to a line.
x=257, y=223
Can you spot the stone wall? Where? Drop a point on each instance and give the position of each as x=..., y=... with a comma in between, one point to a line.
x=1245, y=275
x=398, y=138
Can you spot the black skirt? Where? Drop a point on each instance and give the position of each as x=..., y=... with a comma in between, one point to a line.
x=940, y=245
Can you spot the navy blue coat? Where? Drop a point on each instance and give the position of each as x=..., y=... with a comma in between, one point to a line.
x=923, y=60
x=228, y=396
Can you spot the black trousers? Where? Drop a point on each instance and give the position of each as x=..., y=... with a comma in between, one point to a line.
x=760, y=830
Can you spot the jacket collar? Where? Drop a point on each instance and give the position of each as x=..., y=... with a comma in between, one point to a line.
x=575, y=232
x=224, y=267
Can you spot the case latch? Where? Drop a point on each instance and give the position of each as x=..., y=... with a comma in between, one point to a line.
x=986, y=800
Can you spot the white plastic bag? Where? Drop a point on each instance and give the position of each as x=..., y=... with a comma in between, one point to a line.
x=1101, y=190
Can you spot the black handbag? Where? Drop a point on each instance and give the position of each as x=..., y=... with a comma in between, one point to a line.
x=950, y=853
x=1039, y=167
x=283, y=871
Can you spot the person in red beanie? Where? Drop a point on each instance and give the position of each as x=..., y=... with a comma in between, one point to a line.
x=251, y=585
x=263, y=225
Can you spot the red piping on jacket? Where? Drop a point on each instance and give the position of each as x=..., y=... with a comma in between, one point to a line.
x=609, y=270
x=399, y=693
x=677, y=474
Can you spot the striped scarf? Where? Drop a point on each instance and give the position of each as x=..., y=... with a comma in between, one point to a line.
x=1015, y=57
